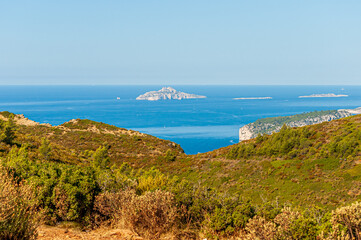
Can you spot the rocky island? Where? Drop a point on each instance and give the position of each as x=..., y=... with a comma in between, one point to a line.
x=274, y=124
x=167, y=93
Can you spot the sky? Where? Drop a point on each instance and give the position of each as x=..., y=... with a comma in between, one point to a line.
x=180, y=42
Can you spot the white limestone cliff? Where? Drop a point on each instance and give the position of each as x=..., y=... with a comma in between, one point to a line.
x=167, y=93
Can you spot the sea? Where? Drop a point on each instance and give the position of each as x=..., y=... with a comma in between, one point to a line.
x=198, y=125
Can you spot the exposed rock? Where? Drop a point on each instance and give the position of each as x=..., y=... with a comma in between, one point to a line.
x=167, y=93
x=352, y=111
x=271, y=125
x=20, y=119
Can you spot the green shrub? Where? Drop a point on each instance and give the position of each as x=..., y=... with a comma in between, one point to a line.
x=170, y=156
x=7, y=132
x=231, y=216
x=65, y=192
x=151, y=180
x=45, y=149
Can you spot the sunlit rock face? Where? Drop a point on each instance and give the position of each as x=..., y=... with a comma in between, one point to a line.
x=167, y=93
x=271, y=125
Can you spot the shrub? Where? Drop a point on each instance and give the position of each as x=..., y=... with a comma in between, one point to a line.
x=230, y=216
x=170, y=156
x=346, y=222
x=100, y=158
x=108, y=207
x=269, y=210
x=193, y=201
x=7, y=134
x=289, y=224
x=45, y=149
x=259, y=228
x=17, y=212
x=151, y=180
x=293, y=225
x=151, y=214
x=65, y=192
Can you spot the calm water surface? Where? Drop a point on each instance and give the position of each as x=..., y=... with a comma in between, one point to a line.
x=198, y=125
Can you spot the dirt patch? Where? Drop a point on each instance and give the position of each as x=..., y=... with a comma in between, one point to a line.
x=58, y=233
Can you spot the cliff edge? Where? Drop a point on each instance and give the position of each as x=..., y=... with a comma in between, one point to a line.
x=274, y=124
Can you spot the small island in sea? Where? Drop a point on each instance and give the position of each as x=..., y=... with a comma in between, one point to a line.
x=167, y=93
x=251, y=98
x=323, y=95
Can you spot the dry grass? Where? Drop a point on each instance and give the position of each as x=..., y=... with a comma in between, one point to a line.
x=150, y=215
x=17, y=213
x=346, y=221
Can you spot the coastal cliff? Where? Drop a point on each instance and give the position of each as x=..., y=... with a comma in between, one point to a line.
x=274, y=124
x=167, y=93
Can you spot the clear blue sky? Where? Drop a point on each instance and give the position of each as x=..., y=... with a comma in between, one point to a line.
x=180, y=42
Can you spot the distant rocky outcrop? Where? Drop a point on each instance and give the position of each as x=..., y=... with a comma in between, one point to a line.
x=274, y=124
x=167, y=93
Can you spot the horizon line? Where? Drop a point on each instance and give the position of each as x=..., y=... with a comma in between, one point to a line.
x=160, y=84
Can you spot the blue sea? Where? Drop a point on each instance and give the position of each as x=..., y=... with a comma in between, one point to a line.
x=198, y=125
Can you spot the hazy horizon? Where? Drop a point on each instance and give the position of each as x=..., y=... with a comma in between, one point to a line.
x=180, y=43
x=176, y=84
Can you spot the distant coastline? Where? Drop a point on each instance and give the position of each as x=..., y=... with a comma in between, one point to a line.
x=327, y=95
x=274, y=124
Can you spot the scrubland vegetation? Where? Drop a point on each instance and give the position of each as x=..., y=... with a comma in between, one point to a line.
x=301, y=183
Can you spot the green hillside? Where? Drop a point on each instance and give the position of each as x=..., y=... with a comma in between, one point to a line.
x=77, y=171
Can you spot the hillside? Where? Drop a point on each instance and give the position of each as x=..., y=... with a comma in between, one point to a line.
x=72, y=141
x=285, y=165
x=92, y=173
x=318, y=164
x=274, y=124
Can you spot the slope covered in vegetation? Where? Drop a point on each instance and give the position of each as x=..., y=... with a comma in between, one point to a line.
x=294, y=184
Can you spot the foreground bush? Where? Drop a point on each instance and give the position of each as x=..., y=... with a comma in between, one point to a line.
x=150, y=215
x=17, y=213
x=259, y=228
x=288, y=224
x=346, y=222
x=64, y=192
x=230, y=216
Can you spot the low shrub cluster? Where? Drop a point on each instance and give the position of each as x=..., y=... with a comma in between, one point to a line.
x=301, y=142
x=153, y=204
